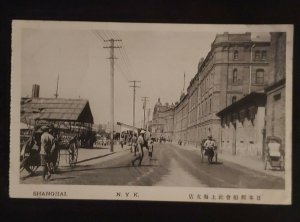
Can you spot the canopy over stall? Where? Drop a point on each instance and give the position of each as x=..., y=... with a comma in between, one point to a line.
x=59, y=110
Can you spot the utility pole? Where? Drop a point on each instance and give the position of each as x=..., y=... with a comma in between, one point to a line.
x=134, y=86
x=112, y=64
x=144, y=99
x=148, y=119
x=56, y=94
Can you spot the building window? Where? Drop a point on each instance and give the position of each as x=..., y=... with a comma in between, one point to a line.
x=264, y=55
x=259, y=78
x=233, y=99
x=234, y=76
x=277, y=97
x=236, y=54
x=257, y=55
x=209, y=105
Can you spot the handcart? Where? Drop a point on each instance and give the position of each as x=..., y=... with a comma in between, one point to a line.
x=274, y=155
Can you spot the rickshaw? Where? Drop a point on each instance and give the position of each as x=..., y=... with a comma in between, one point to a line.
x=66, y=141
x=274, y=154
x=210, y=153
x=30, y=153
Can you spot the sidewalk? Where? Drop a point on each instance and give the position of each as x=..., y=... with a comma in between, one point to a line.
x=247, y=162
x=89, y=156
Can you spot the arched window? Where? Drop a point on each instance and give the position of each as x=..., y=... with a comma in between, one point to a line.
x=234, y=76
x=236, y=54
x=259, y=77
x=233, y=99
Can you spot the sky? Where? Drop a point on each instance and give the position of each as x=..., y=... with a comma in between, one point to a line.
x=158, y=59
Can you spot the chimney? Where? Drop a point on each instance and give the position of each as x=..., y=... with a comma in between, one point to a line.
x=35, y=91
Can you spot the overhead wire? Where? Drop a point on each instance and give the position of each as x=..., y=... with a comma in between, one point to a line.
x=124, y=54
x=123, y=63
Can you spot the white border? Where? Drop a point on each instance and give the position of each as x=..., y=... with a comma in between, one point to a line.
x=17, y=190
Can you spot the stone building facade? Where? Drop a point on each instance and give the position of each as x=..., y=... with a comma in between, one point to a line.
x=242, y=126
x=237, y=67
x=181, y=119
x=275, y=108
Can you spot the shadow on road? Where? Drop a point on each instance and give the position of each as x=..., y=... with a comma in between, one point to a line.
x=217, y=163
x=94, y=158
x=97, y=148
x=61, y=178
x=106, y=168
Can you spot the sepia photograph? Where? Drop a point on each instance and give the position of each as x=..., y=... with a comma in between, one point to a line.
x=163, y=112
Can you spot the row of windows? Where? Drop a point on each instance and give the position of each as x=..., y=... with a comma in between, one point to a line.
x=258, y=55
x=207, y=83
x=193, y=116
x=205, y=108
x=258, y=78
x=194, y=99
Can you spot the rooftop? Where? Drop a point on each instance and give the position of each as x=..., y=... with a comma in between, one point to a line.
x=56, y=109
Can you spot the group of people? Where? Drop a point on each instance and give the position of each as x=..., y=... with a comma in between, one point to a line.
x=139, y=143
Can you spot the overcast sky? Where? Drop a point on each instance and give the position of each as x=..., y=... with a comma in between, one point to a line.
x=158, y=59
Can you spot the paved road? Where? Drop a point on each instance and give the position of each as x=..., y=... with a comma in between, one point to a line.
x=170, y=166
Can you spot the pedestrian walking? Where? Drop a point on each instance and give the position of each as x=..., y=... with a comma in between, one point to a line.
x=150, y=148
x=134, y=143
x=139, y=149
x=122, y=142
x=47, y=148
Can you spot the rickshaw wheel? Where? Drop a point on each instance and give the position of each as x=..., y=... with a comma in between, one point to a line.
x=33, y=168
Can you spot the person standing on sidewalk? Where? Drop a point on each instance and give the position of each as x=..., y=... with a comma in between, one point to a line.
x=47, y=148
x=139, y=149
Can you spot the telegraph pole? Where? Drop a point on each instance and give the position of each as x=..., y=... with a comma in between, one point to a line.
x=112, y=64
x=134, y=86
x=145, y=99
x=56, y=93
x=148, y=119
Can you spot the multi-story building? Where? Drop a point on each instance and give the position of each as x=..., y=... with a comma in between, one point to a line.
x=181, y=119
x=162, y=120
x=192, y=96
x=248, y=123
x=235, y=66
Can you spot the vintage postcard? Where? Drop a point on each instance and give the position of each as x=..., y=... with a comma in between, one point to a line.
x=158, y=112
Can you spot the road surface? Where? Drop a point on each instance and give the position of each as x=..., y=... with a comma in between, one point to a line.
x=170, y=166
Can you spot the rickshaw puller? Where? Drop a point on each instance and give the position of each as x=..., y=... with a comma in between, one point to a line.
x=47, y=148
